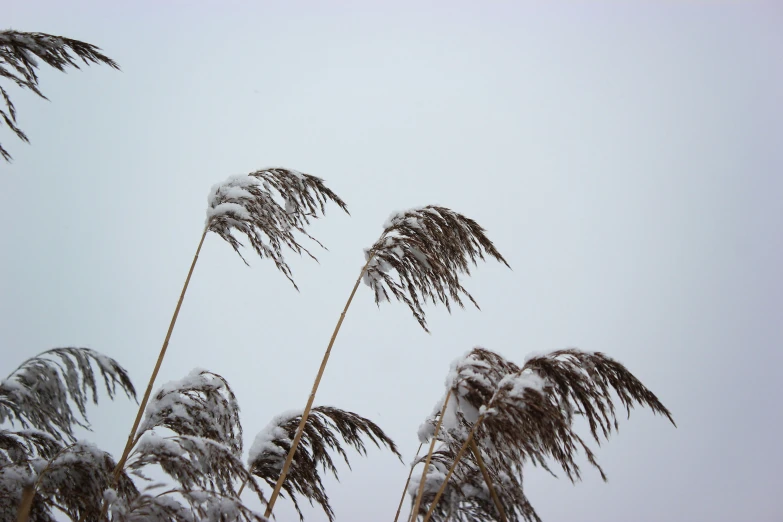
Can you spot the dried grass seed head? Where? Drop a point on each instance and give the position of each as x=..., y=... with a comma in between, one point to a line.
x=326, y=429
x=42, y=391
x=202, y=404
x=472, y=380
x=528, y=414
x=428, y=248
x=19, y=55
x=533, y=409
x=205, y=452
x=268, y=206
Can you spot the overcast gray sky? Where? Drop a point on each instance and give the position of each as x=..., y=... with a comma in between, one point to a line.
x=625, y=158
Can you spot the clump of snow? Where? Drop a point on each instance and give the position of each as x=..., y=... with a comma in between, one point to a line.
x=436, y=474
x=264, y=441
x=234, y=209
x=226, y=197
x=109, y=495
x=487, y=411
x=516, y=384
x=153, y=443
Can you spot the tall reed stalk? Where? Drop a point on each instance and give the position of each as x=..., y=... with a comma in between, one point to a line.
x=143, y=405
x=300, y=429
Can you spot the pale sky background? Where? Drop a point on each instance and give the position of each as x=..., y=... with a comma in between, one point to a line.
x=626, y=159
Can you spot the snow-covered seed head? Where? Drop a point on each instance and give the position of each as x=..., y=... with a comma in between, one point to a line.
x=527, y=414
x=202, y=404
x=50, y=392
x=428, y=248
x=324, y=429
x=268, y=206
x=18, y=63
x=205, y=450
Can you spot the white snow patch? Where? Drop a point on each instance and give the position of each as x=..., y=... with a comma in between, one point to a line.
x=264, y=441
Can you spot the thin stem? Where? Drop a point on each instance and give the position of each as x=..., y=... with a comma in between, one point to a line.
x=474, y=448
x=415, y=510
x=28, y=493
x=306, y=413
x=131, y=436
x=405, y=489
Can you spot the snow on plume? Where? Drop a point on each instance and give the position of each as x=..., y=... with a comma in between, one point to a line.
x=264, y=441
x=516, y=384
x=225, y=197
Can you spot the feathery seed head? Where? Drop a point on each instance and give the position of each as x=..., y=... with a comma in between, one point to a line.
x=268, y=206
x=428, y=248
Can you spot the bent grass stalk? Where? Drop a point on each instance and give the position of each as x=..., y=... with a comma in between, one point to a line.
x=300, y=430
x=480, y=461
x=148, y=392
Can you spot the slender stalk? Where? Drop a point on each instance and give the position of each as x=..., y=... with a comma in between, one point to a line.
x=415, y=510
x=131, y=436
x=405, y=489
x=474, y=448
x=300, y=430
x=28, y=493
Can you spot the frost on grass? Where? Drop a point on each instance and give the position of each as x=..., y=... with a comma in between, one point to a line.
x=428, y=248
x=19, y=55
x=525, y=414
x=268, y=207
x=326, y=429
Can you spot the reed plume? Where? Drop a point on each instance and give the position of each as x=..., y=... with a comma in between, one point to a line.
x=524, y=414
x=19, y=55
x=50, y=392
x=267, y=206
x=428, y=248
x=192, y=432
x=325, y=429
x=42, y=465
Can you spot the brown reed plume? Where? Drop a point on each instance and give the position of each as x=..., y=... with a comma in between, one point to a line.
x=428, y=248
x=41, y=462
x=19, y=55
x=42, y=392
x=267, y=206
x=202, y=454
x=323, y=432
x=527, y=413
